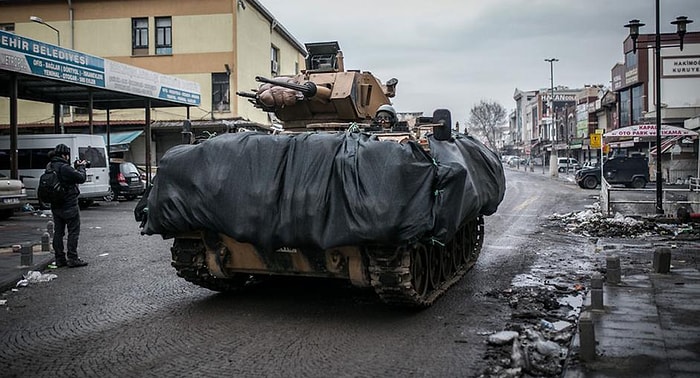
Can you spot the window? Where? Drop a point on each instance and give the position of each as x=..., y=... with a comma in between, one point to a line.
x=139, y=36
x=630, y=60
x=631, y=103
x=274, y=61
x=36, y=158
x=8, y=27
x=81, y=111
x=96, y=156
x=625, y=108
x=164, y=35
x=220, y=92
x=637, y=98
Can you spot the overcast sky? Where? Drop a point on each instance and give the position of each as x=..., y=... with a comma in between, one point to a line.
x=453, y=53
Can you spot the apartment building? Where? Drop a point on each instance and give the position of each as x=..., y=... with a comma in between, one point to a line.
x=220, y=44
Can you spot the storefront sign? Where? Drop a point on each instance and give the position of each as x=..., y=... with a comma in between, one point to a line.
x=681, y=66
x=649, y=130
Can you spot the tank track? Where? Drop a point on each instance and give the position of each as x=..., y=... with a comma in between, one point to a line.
x=188, y=261
x=417, y=275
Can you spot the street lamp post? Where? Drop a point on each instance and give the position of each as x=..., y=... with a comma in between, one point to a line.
x=551, y=105
x=40, y=20
x=634, y=25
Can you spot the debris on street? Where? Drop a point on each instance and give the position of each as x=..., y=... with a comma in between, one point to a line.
x=33, y=276
x=592, y=222
x=537, y=340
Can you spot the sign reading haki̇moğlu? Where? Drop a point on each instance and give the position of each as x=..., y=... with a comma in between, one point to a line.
x=30, y=57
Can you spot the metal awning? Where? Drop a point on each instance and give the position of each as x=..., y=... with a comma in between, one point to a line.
x=666, y=145
x=64, y=93
x=119, y=141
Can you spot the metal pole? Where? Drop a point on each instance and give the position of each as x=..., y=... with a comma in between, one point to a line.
x=551, y=112
x=147, y=129
x=551, y=98
x=657, y=89
x=14, y=127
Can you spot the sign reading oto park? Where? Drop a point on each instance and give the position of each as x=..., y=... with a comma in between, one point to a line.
x=649, y=130
x=30, y=57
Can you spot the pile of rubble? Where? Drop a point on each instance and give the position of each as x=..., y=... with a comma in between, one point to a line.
x=591, y=222
x=536, y=342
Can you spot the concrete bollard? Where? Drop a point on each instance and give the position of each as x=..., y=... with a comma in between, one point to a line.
x=597, y=292
x=613, y=268
x=49, y=228
x=662, y=260
x=586, y=337
x=45, y=242
x=26, y=257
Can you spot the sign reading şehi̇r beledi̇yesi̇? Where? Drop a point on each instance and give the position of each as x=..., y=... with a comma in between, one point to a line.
x=27, y=56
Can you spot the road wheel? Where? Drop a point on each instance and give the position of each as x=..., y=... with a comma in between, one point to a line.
x=590, y=182
x=420, y=265
x=639, y=182
x=110, y=196
x=435, y=270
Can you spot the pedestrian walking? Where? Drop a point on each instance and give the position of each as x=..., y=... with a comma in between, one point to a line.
x=66, y=213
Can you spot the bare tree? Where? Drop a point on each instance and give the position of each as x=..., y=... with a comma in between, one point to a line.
x=486, y=118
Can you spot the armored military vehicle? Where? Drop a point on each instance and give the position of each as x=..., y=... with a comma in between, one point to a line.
x=334, y=195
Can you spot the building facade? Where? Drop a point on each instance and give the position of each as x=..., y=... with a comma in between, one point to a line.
x=633, y=83
x=220, y=44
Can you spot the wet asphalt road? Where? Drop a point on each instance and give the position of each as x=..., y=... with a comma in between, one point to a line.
x=128, y=314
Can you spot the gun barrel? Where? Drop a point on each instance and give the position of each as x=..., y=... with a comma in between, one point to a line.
x=246, y=94
x=308, y=89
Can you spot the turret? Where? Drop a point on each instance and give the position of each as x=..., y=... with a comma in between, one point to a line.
x=323, y=95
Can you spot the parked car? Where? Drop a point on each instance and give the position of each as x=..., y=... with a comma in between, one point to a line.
x=563, y=165
x=516, y=161
x=589, y=164
x=125, y=181
x=506, y=158
x=12, y=196
x=632, y=171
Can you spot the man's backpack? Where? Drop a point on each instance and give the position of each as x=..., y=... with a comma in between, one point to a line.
x=50, y=189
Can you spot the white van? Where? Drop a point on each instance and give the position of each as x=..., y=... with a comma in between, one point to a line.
x=33, y=156
x=563, y=164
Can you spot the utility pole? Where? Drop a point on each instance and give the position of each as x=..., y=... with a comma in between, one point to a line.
x=552, y=160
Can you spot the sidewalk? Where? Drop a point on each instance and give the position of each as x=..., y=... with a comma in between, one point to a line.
x=21, y=229
x=650, y=324
x=11, y=269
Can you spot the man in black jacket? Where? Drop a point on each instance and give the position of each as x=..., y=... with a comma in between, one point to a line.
x=67, y=213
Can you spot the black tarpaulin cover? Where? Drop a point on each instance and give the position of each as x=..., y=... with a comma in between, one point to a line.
x=323, y=189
